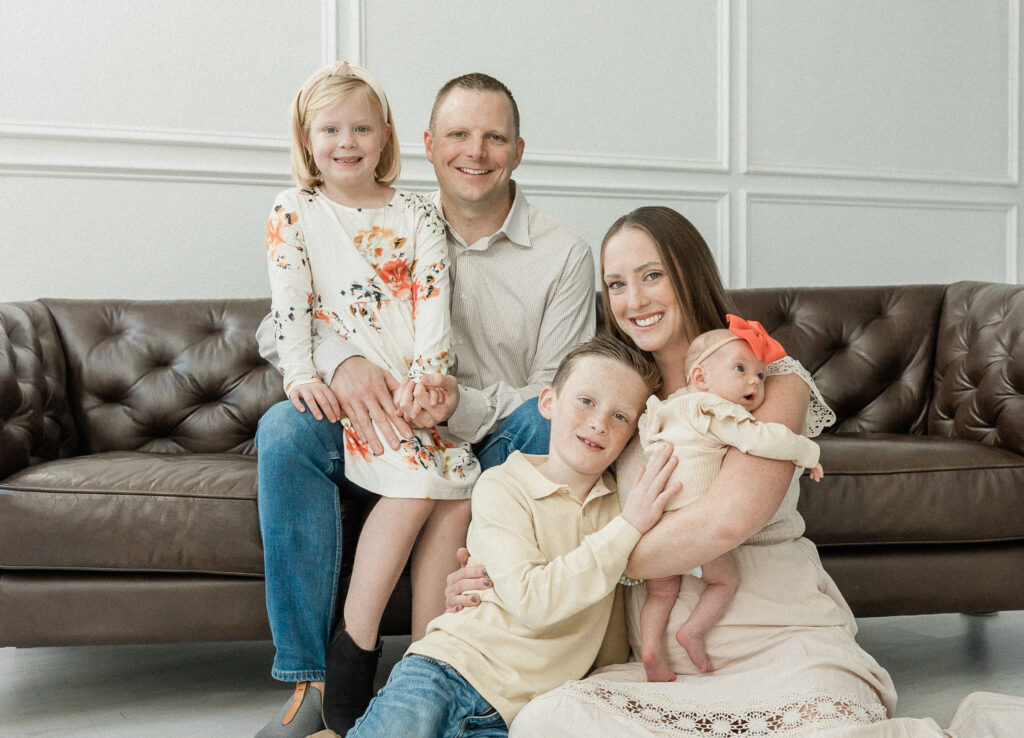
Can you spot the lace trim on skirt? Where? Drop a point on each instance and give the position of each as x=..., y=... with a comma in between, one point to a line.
x=795, y=715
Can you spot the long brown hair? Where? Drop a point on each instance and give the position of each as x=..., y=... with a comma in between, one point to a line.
x=688, y=263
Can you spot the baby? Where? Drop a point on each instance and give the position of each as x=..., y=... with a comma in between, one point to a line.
x=726, y=372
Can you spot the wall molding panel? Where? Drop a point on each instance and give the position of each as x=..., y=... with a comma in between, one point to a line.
x=1011, y=165
x=1007, y=212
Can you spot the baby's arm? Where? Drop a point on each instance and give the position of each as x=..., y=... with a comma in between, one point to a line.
x=767, y=440
x=539, y=591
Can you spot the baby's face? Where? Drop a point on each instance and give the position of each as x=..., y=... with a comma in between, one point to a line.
x=735, y=373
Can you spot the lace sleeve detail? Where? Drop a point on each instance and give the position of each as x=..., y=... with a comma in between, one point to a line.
x=819, y=415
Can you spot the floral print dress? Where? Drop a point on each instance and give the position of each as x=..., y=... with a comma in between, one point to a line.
x=378, y=277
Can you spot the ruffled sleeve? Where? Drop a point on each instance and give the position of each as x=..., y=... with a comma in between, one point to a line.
x=819, y=415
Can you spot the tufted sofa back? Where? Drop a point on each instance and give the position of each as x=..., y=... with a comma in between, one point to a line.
x=979, y=367
x=176, y=376
x=871, y=350
x=35, y=418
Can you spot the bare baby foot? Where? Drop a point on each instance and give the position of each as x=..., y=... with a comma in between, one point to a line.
x=693, y=643
x=656, y=668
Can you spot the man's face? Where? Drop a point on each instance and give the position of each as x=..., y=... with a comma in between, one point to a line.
x=474, y=149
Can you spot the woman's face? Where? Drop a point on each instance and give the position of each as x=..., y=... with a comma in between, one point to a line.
x=640, y=292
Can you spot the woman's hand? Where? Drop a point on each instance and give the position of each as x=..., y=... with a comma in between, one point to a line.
x=462, y=579
x=318, y=398
x=648, y=495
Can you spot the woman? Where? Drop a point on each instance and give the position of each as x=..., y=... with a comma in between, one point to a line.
x=786, y=662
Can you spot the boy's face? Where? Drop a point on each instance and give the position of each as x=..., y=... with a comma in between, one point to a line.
x=735, y=373
x=593, y=415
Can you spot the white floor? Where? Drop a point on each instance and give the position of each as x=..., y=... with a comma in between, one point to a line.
x=224, y=689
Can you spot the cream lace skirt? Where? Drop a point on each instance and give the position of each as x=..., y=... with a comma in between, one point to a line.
x=784, y=659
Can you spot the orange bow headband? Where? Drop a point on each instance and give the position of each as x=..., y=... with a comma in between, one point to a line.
x=765, y=348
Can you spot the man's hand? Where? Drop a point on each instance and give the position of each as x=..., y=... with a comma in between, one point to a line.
x=462, y=579
x=428, y=402
x=648, y=497
x=364, y=392
x=318, y=398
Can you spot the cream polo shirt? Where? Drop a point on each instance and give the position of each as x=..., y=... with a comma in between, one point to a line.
x=554, y=562
x=521, y=298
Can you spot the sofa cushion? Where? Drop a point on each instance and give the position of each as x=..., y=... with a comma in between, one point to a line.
x=133, y=511
x=897, y=489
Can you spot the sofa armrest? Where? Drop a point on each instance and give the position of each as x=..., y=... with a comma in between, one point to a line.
x=979, y=365
x=35, y=419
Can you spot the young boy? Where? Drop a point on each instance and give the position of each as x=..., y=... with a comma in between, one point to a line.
x=549, y=531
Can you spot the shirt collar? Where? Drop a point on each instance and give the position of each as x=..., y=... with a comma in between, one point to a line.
x=516, y=227
x=524, y=468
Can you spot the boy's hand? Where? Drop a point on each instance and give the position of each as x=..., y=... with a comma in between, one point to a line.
x=648, y=497
x=817, y=473
x=364, y=390
x=462, y=579
x=318, y=398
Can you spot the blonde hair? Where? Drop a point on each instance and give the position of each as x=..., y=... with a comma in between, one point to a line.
x=327, y=86
x=603, y=346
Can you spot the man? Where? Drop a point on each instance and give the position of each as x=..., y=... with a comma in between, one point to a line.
x=522, y=296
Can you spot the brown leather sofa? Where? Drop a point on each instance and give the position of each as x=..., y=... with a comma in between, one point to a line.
x=128, y=474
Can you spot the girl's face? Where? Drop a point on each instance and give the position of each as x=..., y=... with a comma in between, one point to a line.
x=643, y=302
x=346, y=140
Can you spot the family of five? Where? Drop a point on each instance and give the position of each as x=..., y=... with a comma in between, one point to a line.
x=439, y=358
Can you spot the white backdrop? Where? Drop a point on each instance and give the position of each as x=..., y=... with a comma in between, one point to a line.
x=811, y=141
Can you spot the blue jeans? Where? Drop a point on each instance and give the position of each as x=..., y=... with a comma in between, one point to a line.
x=300, y=467
x=427, y=698
x=525, y=429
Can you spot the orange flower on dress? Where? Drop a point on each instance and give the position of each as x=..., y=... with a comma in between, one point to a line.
x=355, y=445
x=397, y=276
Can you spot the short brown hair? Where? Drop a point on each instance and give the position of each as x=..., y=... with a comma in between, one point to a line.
x=604, y=346
x=479, y=82
x=321, y=91
x=690, y=266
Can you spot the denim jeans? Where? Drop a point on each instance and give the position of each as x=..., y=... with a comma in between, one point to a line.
x=525, y=429
x=300, y=467
x=427, y=698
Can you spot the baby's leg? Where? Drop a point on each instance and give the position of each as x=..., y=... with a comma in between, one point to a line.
x=434, y=559
x=384, y=545
x=661, y=595
x=721, y=577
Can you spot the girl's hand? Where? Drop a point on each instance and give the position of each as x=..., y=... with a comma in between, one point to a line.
x=462, y=579
x=428, y=402
x=318, y=398
x=817, y=473
x=648, y=497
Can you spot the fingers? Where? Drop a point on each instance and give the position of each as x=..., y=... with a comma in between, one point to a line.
x=462, y=555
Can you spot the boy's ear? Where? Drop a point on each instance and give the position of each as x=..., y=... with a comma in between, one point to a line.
x=546, y=401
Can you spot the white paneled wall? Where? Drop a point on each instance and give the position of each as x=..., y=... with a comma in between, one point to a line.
x=811, y=141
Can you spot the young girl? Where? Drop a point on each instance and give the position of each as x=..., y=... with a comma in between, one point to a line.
x=725, y=371
x=369, y=262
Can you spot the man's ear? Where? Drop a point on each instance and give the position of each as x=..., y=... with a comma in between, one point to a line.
x=520, y=147
x=428, y=145
x=546, y=401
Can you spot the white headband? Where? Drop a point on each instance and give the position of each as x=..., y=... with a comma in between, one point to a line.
x=712, y=349
x=344, y=69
